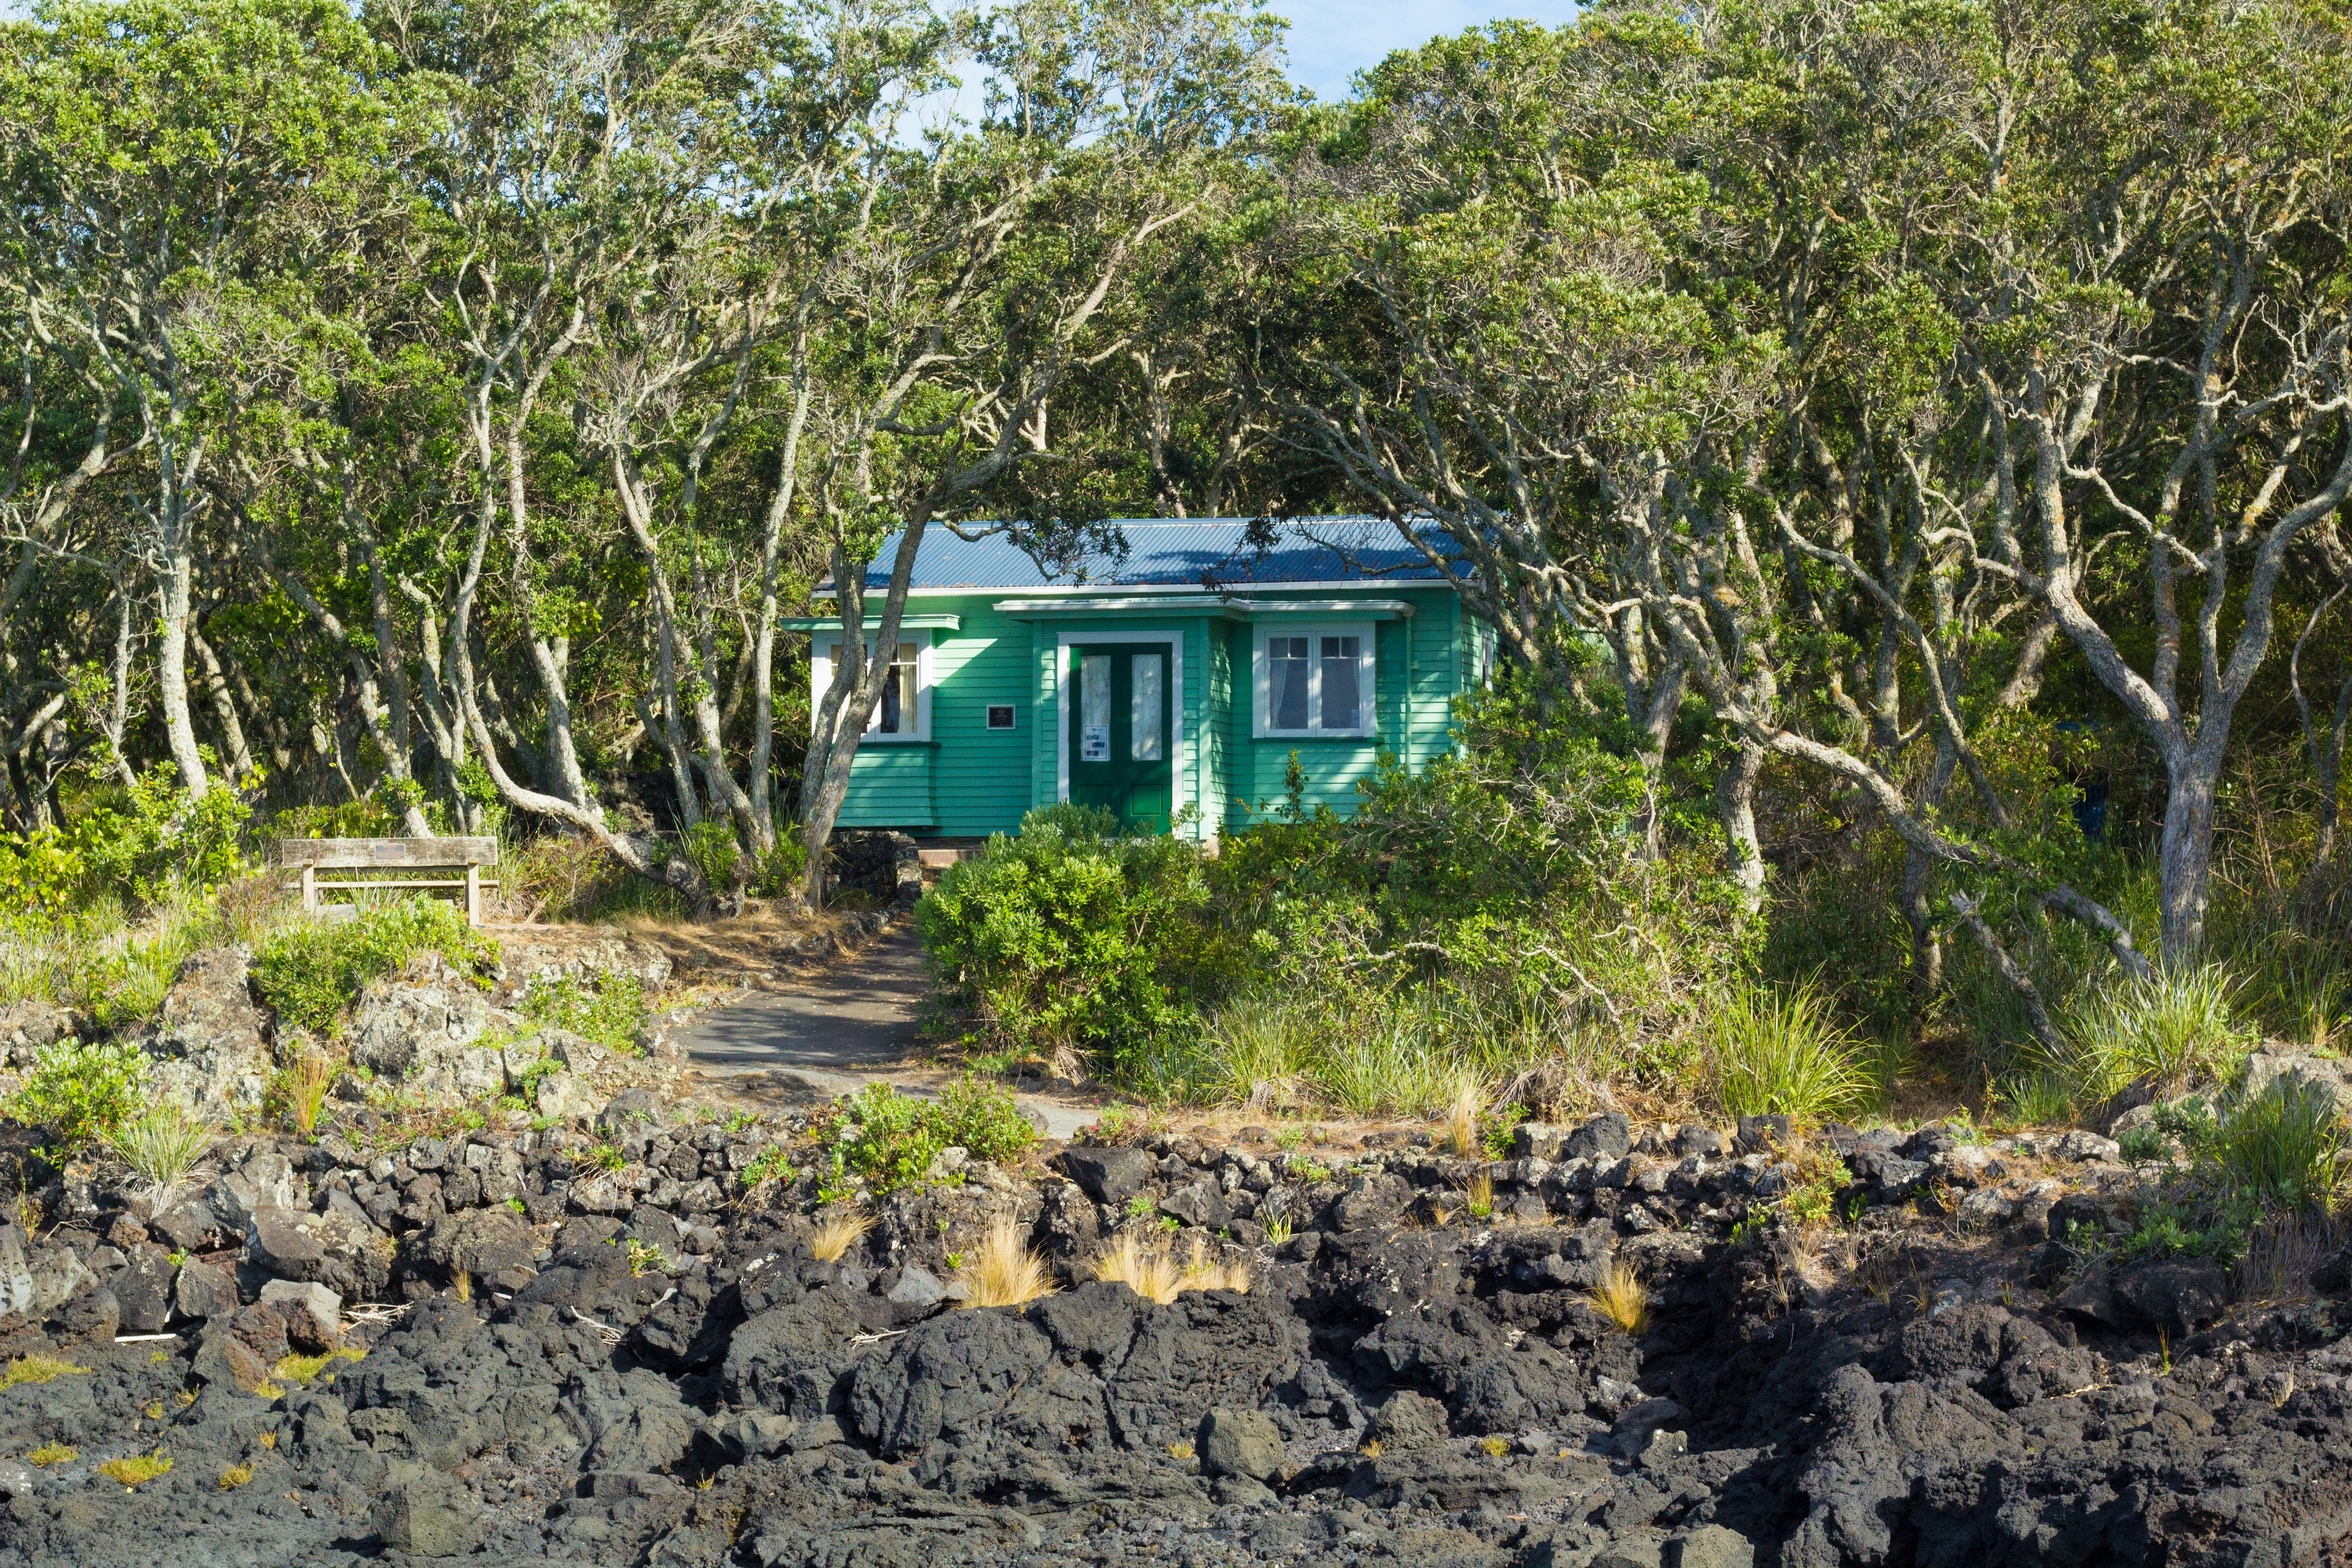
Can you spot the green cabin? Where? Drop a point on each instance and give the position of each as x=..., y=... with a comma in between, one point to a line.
x=1180, y=674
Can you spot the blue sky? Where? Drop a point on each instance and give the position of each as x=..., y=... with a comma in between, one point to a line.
x=1331, y=39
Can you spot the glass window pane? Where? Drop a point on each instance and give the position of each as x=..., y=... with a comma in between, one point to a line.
x=1342, y=696
x=1286, y=683
x=1093, y=708
x=1143, y=710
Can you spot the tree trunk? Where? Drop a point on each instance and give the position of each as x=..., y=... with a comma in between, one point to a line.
x=1735, y=806
x=171, y=664
x=2184, y=852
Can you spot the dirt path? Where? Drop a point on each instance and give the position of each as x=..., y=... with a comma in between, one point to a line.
x=851, y=1026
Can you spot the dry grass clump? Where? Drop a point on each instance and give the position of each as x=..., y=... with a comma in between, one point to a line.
x=53, y=1454
x=838, y=1232
x=1202, y=1272
x=36, y=1368
x=1621, y=1297
x=234, y=1476
x=1149, y=1272
x=1004, y=1271
x=307, y=1082
x=305, y=1368
x=1479, y=1195
x=1462, y=1121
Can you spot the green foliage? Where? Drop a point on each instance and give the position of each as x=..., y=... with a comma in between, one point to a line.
x=710, y=845
x=890, y=1139
x=81, y=1092
x=148, y=842
x=1067, y=937
x=2285, y=1148
x=162, y=1142
x=312, y=972
x=2177, y=1027
x=1778, y=1050
x=610, y=1011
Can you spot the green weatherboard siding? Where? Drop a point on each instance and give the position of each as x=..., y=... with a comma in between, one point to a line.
x=1006, y=706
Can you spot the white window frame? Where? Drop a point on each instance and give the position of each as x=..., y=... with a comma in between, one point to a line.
x=821, y=665
x=1011, y=708
x=1262, y=678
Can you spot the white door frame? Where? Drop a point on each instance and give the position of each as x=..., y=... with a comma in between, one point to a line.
x=1179, y=765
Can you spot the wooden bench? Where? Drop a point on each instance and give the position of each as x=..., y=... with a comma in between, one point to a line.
x=465, y=855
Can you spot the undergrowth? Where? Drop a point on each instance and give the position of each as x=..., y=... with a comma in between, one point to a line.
x=310, y=972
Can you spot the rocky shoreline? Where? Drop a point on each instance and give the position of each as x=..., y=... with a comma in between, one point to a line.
x=613, y=1340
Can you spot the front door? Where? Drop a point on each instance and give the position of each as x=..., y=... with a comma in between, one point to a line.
x=1122, y=732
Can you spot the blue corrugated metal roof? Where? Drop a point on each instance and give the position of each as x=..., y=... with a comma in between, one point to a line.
x=1173, y=553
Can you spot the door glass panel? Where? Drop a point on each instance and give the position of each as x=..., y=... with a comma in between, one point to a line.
x=1342, y=698
x=1093, y=708
x=1285, y=664
x=1143, y=710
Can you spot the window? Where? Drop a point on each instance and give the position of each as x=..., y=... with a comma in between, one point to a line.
x=1143, y=713
x=904, y=712
x=1000, y=715
x=1316, y=680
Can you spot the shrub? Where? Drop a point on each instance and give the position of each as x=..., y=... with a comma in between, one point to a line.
x=891, y=1139
x=1778, y=1052
x=1067, y=939
x=162, y=1143
x=610, y=1012
x=310, y=971
x=153, y=838
x=984, y=1120
x=81, y=1093
x=1003, y=1270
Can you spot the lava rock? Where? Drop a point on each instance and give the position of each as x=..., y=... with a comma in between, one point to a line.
x=1238, y=1443
x=204, y=1291
x=1608, y=1136
x=1109, y=1175
x=2178, y=1297
x=427, y=1517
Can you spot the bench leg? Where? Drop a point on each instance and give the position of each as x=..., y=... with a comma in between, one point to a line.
x=473, y=895
x=309, y=889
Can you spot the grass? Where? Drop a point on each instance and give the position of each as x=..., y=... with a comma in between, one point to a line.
x=234, y=1476
x=2177, y=1027
x=1274, y=1215
x=1479, y=1195
x=1202, y=1272
x=1621, y=1297
x=138, y=1469
x=2285, y=1148
x=838, y=1232
x=53, y=1454
x=1462, y=1120
x=1149, y=1272
x=303, y=1088
x=162, y=1144
x=36, y=1368
x=1263, y=1052
x=1003, y=1270
x=1779, y=1051
x=309, y=972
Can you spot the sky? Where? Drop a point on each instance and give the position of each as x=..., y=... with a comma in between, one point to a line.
x=1332, y=39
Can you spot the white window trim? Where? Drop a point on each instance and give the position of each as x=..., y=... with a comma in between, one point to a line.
x=1180, y=764
x=989, y=729
x=1262, y=679
x=821, y=663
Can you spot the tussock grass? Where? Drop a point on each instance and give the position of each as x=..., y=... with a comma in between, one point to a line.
x=36, y=1368
x=1779, y=1051
x=2285, y=1148
x=1260, y=1053
x=307, y=1082
x=234, y=1476
x=1149, y=1272
x=162, y=1144
x=838, y=1232
x=1478, y=1197
x=1621, y=1297
x=53, y=1454
x=1004, y=1271
x=305, y=1368
x=2179, y=1025
x=1462, y=1120
x=1202, y=1272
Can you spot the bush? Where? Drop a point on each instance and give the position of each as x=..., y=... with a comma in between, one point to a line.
x=81, y=1093
x=148, y=841
x=309, y=973
x=1777, y=1051
x=891, y=1139
x=610, y=1012
x=1068, y=939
